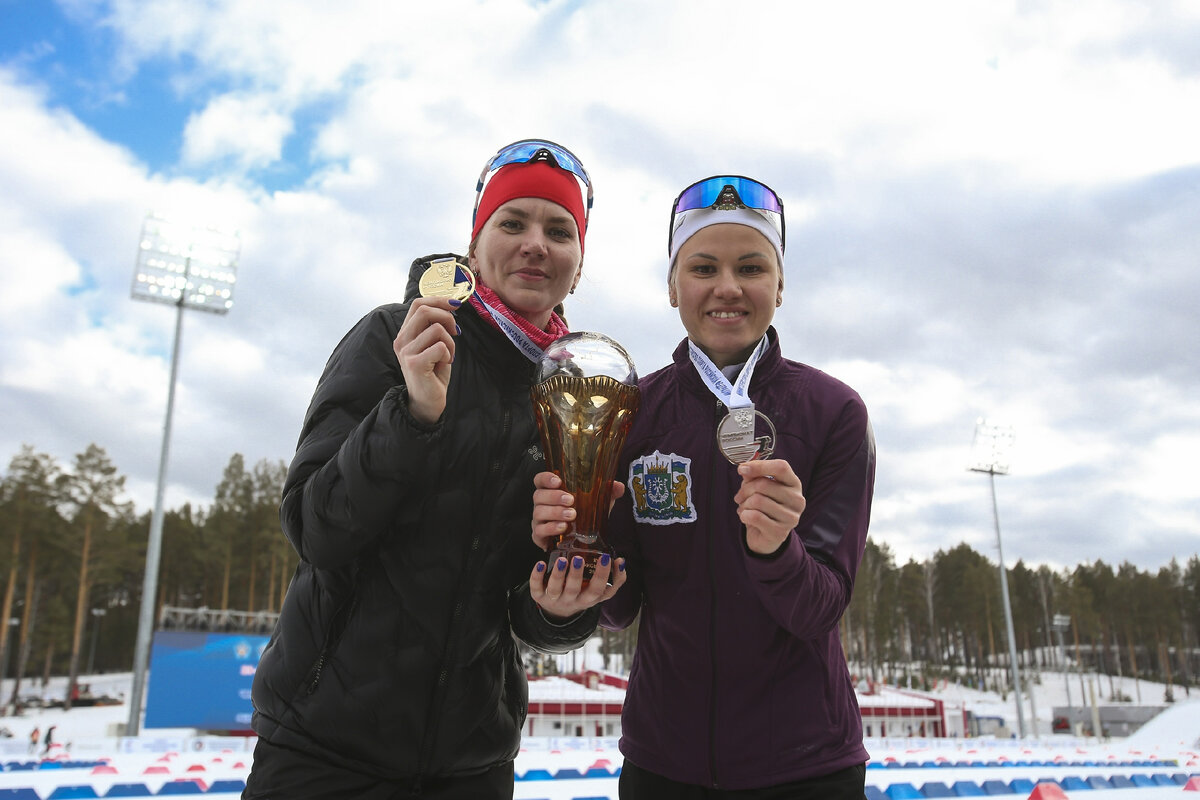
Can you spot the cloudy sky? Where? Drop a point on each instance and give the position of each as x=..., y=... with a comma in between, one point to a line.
x=993, y=211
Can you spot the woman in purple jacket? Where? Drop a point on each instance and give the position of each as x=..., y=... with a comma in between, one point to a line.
x=748, y=483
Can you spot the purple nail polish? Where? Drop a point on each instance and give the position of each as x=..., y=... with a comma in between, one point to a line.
x=620, y=566
x=604, y=559
x=456, y=303
x=576, y=562
x=562, y=564
x=541, y=566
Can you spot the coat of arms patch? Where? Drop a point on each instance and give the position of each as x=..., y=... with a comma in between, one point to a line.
x=661, y=487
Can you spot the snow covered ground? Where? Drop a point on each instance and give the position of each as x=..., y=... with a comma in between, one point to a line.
x=87, y=753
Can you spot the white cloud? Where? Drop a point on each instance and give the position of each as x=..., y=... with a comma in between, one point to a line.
x=245, y=130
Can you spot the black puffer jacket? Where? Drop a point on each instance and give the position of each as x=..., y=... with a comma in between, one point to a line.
x=394, y=655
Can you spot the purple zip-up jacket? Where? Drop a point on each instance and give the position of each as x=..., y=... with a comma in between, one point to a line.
x=739, y=680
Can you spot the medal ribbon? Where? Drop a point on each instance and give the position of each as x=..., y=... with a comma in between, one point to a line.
x=735, y=395
x=514, y=334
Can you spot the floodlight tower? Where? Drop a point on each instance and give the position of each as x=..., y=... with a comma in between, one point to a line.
x=990, y=456
x=187, y=267
x=1062, y=622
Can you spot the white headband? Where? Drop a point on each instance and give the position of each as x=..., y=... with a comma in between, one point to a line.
x=688, y=223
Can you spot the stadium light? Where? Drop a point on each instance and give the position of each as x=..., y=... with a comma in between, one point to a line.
x=990, y=455
x=190, y=268
x=1062, y=622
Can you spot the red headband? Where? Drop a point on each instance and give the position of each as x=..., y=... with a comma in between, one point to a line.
x=532, y=179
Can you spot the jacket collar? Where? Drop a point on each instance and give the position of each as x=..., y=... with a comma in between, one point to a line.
x=772, y=359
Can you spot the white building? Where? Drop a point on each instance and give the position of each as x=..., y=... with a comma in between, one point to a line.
x=589, y=705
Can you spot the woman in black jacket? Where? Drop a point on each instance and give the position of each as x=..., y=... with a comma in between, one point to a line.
x=394, y=670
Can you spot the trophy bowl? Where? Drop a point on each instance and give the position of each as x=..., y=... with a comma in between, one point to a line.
x=584, y=401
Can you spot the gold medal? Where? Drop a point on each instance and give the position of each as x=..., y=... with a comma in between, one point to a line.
x=447, y=278
x=737, y=439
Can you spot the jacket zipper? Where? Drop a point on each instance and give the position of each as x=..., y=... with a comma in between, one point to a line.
x=337, y=627
x=712, y=578
x=312, y=687
x=454, y=634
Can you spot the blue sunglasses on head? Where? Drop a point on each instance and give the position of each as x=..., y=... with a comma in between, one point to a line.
x=526, y=150
x=729, y=192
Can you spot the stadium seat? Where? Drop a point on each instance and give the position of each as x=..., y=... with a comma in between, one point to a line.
x=535, y=775
x=903, y=791
x=1120, y=782
x=70, y=792
x=875, y=793
x=24, y=793
x=1073, y=782
x=128, y=790
x=228, y=785
x=936, y=789
x=967, y=789
x=997, y=787
x=1047, y=791
x=1162, y=779
x=567, y=774
x=1098, y=782
x=178, y=787
x=1021, y=786
x=1140, y=780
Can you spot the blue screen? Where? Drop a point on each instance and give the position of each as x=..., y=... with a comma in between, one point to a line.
x=202, y=680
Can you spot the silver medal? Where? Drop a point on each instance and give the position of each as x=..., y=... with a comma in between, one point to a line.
x=742, y=437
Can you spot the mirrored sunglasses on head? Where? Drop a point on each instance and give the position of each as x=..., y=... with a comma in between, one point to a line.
x=710, y=192
x=538, y=150
x=729, y=192
x=526, y=150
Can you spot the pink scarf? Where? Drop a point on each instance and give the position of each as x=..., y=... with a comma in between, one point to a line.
x=542, y=338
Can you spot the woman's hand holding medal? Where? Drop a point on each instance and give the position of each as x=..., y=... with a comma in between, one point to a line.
x=425, y=349
x=770, y=502
x=425, y=344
